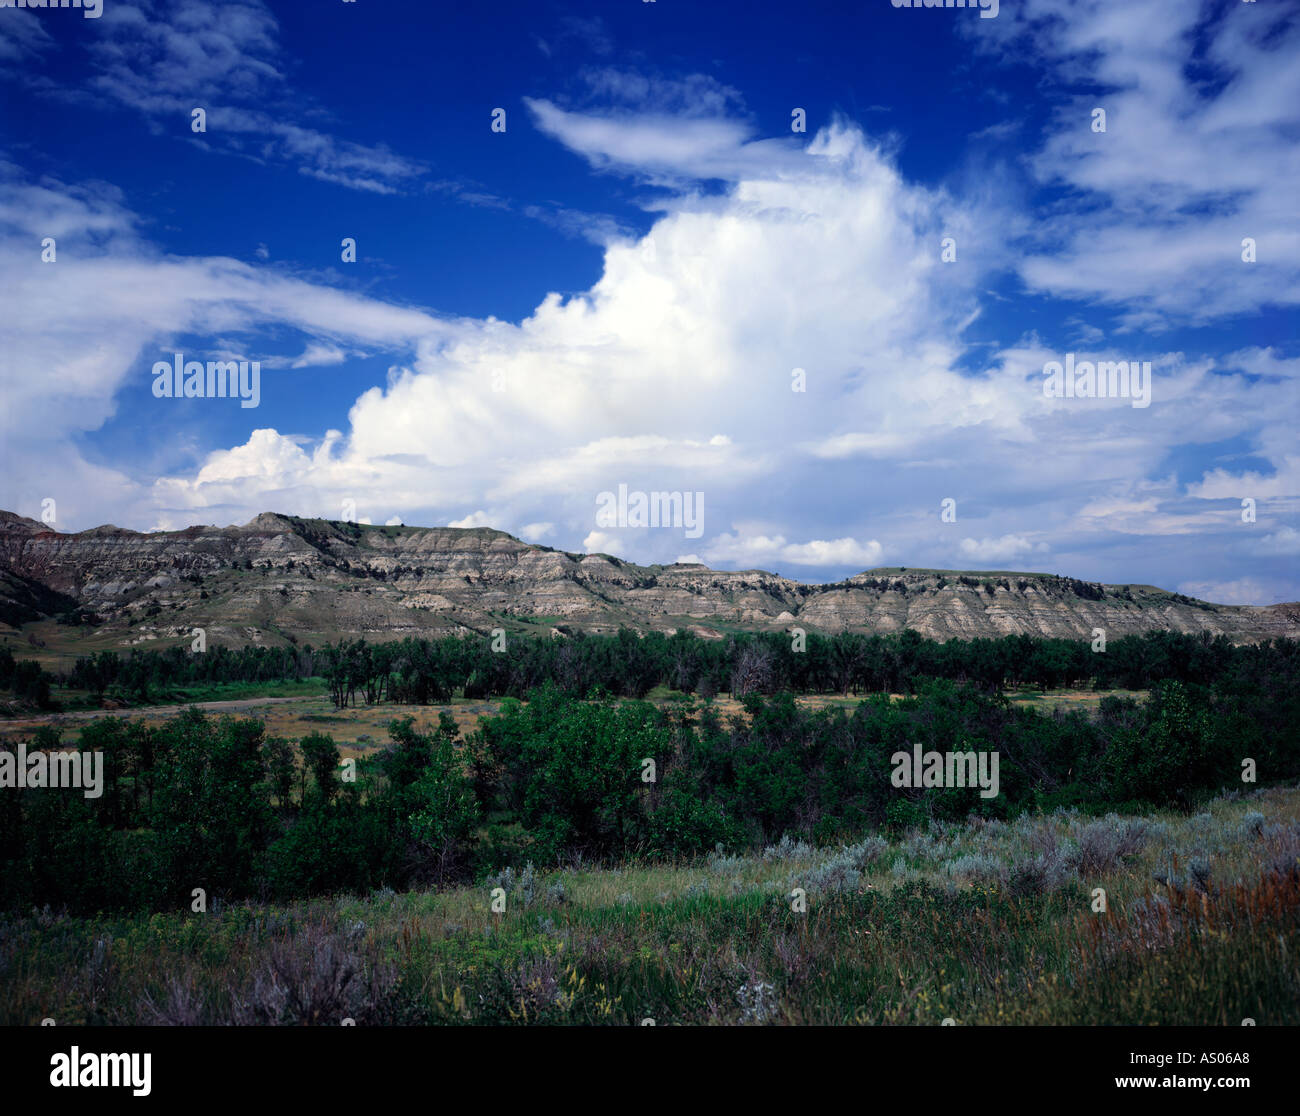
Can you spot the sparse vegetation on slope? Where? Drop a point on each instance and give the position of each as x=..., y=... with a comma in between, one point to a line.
x=983, y=923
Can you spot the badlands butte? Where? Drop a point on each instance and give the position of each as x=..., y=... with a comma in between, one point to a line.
x=283, y=579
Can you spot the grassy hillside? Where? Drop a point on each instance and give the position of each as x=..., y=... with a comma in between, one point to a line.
x=983, y=923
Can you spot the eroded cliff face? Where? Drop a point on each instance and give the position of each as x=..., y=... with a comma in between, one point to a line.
x=281, y=576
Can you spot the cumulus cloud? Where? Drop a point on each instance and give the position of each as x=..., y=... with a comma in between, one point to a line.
x=751, y=549
x=1001, y=549
x=474, y=519
x=599, y=542
x=673, y=370
x=1225, y=484
x=830, y=270
x=833, y=552
x=1284, y=542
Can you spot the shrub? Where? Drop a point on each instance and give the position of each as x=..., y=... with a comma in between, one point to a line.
x=867, y=852
x=318, y=978
x=788, y=849
x=520, y=886
x=837, y=874
x=1104, y=843
x=1037, y=873
x=976, y=867
x=1252, y=824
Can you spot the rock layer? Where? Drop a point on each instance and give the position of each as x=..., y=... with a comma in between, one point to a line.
x=283, y=578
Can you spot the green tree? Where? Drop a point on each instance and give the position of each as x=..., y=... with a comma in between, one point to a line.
x=320, y=756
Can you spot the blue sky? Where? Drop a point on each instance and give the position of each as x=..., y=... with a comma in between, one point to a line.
x=618, y=287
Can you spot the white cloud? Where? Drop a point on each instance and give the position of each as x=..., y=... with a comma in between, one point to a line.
x=1197, y=153
x=756, y=550
x=664, y=148
x=672, y=371
x=1002, y=549
x=833, y=552
x=111, y=305
x=600, y=542
x=1241, y=591
x=1284, y=542
x=22, y=37
x=318, y=354
x=164, y=59
x=831, y=270
x=1224, y=484
x=474, y=519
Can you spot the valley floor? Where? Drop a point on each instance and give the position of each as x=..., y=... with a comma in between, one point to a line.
x=362, y=728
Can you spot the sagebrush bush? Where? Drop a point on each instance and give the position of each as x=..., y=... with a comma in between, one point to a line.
x=1108, y=841
x=521, y=887
x=867, y=852
x=788, y=849
x=1252, y=823
x=1282, y=850
x=837, y=874
x=977, y=866
x=1038, y=873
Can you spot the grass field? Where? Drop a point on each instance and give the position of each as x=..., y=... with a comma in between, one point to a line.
x=987, y=923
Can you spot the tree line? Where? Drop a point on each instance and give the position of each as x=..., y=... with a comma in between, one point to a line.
x=214, y=803
x=422, y=671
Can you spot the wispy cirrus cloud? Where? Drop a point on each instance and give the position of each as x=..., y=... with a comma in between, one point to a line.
x=163, y=60
x=1202, y=104
x=22, y=37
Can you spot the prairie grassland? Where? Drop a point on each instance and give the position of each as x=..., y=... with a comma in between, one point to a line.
x=983, y=923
